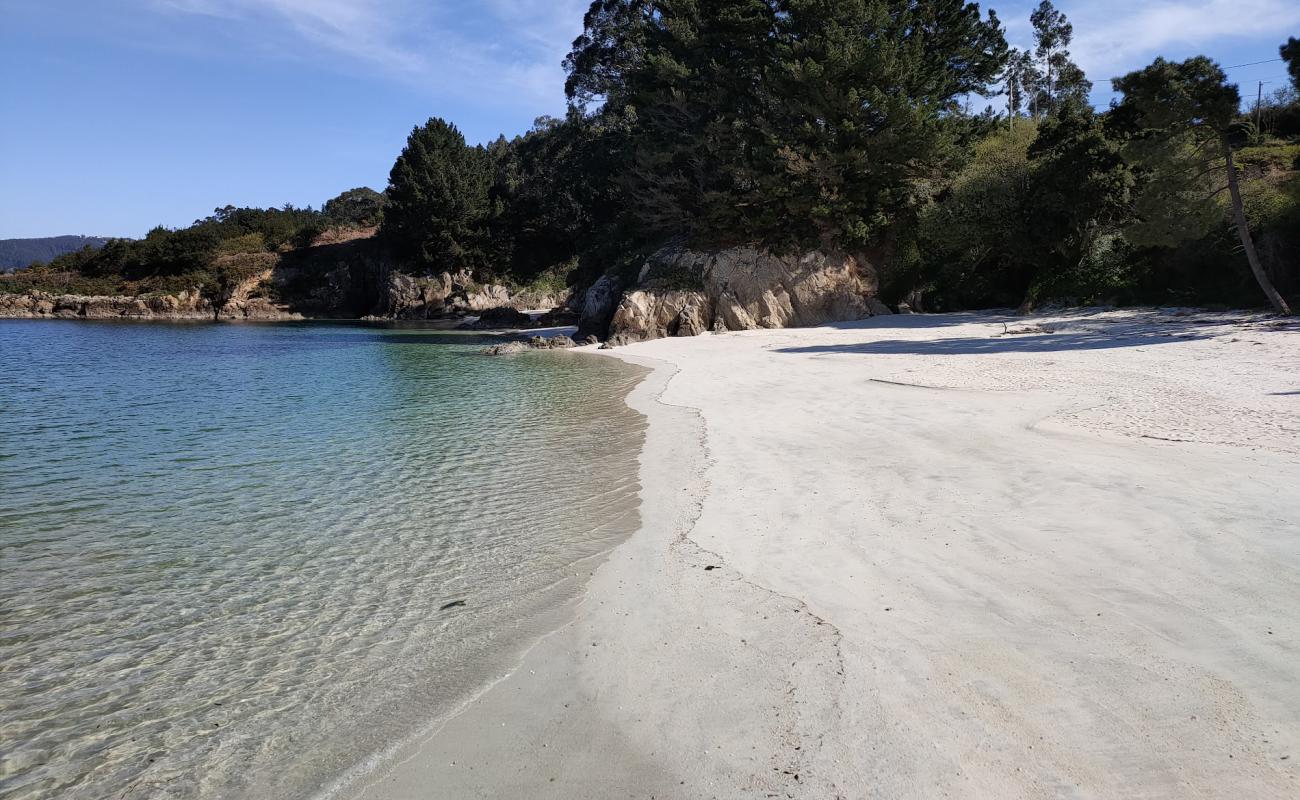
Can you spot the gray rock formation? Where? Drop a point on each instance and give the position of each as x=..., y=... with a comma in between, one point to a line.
x=598, y=306
x=535, y=343
x=654, y=313
x=737, y=289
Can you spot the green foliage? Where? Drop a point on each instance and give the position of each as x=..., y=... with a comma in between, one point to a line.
x=1034, y=213
x=437, y=211
x=1059, y=80
x=1290, y=53
x=362, y=207
x=787, y=124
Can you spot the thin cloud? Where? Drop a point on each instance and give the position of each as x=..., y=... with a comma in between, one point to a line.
x=509, y=49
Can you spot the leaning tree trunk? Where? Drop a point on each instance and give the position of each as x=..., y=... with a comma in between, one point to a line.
x=1243, y=230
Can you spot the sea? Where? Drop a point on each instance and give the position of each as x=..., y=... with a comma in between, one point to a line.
x=246, y=561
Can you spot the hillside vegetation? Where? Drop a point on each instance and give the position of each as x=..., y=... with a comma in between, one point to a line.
x=796, y=125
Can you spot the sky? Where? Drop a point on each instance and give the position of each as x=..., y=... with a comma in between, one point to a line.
x=119, y=116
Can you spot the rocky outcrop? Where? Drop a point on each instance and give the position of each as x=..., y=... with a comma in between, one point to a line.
x=656, y=313
x=246, y=302
x=37, y=305
x=685, y=293
x=598, y=306
x=407, y=297
x=536, y=343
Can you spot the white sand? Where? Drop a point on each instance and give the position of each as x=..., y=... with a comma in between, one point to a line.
x=951, y=563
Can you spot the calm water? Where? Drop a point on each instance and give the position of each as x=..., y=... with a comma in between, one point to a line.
x=225, y=550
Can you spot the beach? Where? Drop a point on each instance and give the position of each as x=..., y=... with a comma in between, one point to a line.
x=973, y=555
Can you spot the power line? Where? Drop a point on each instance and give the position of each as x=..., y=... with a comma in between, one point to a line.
x=1253, y=63
x=1234, y=66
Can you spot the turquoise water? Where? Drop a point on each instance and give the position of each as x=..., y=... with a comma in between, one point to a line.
x=226, y=551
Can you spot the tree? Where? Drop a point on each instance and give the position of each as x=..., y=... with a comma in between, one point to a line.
x=438, y=199
x=1081, y=192
x=1178, y=117
x=1022, y=80
x=786, y=123
x=1027, y=214
x=1290, y=53
x=361, y=207
x=1061, y=78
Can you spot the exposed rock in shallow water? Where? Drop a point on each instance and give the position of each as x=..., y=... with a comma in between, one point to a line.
x=560, y=342
x=507, y=349
x=535, y=343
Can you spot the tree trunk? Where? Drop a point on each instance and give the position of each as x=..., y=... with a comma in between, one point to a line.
x=1243, y=230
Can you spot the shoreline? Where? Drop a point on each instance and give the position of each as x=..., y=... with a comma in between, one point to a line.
x=926, y=555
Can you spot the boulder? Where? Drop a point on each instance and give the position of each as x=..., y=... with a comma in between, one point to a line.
x=598, y=306
x=560, y=342
x=656, y=313
x=507, y=349
x=504, y=317
x=558, y=317
x=535, y=343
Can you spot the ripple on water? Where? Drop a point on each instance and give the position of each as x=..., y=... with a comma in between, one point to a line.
x=225, y=550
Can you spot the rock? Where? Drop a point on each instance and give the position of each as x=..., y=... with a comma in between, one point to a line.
x=535, y=343
x=591, y=340
x=507, y=349
x=479, y=298
x=904, y=308
x=406, y=297
x=686, y=293
x=504, y=317
x=560, y=342
x=617, y=340
x=877, y=308
x=558, y=317
x=598, y=306
x=656, y=313
x=35, y=304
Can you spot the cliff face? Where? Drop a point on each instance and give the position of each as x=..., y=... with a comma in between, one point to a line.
x=682, y=292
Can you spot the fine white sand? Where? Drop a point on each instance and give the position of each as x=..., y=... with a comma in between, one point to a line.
x=951, y=560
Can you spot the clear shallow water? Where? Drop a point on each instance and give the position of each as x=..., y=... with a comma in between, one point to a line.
x=225, y=549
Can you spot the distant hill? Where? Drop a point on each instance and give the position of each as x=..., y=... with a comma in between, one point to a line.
x=19, y=253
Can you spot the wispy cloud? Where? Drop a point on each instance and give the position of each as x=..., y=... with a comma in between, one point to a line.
x=1115, y=36
x=509, y=49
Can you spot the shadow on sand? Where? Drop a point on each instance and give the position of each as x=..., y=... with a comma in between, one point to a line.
x=1069, y=335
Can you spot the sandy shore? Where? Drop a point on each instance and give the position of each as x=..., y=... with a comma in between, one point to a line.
x=932, y=556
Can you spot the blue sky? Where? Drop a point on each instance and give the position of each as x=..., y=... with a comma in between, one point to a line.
x=117, y=116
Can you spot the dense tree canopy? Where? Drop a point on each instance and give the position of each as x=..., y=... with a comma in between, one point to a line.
x=793, y=123
x=438, y=199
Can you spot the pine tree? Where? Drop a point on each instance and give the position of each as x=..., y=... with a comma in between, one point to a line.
x=1062, y=78
x=783, y=123
x=438, y=199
